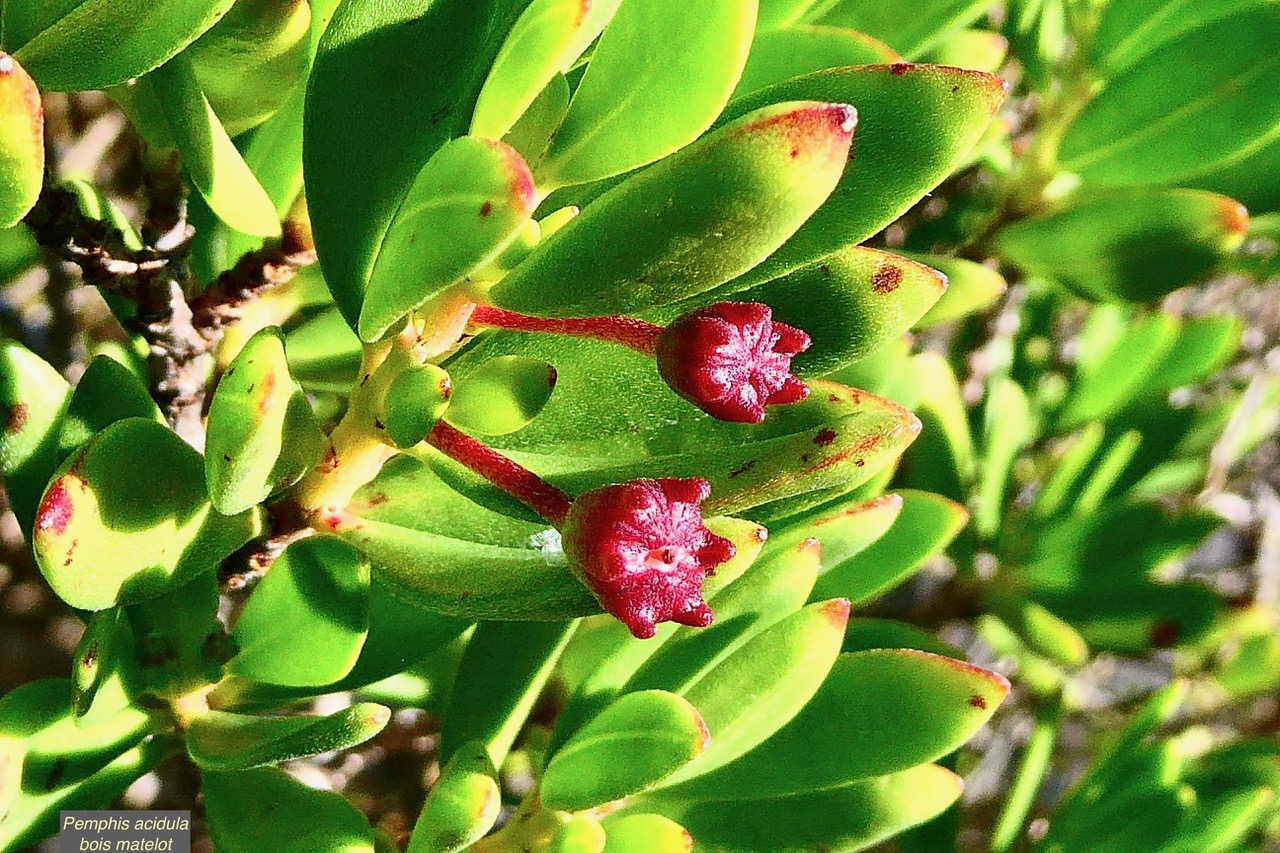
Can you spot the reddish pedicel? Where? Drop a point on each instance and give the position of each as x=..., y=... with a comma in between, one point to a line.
x=731, y=360
x=642, y=549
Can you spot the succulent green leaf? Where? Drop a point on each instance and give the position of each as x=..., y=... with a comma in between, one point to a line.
x=627, y=748
x=579, y=834
x=780, y=13
x=852, y=816
x=462, y=805
x=33, y=397
x=544, y=43
x=926, y=524
x=778, y=670
x=62, y=43
x=247, y=808
x=1118, y=353
x=971, y=287
x=503, y=671
x=21, y=142
x=1164, y=120
x=415, y=400
x=864, y=635
x=307, y=620
x=977, y=50
x=1220, y=822
x=916, y=124
x=656, y=80
x=107, y=392
x=1128, y=30
x=1008, y=427
x=1049, y=635
x=210, y=159
x=371, y=124
x=127, y=519
x=502, y=395
x=691, y=222
x=219, y=740
x=942, y=459
x=262, y=434
x=645, y=833
x=843, y=530
x=1203, y=346
x=468, y=202
x=910, y=35
x=532, y=133
x=323, y=353
x=781, y=54
x=105, y=652
x=878, y=712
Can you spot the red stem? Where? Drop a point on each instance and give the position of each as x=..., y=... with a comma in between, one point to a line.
x=513, y=478
x=627, y=331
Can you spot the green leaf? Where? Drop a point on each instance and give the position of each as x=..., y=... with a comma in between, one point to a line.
x=21, y=142
x=1136, y=245
x=1110, y=372
x=105, y=652
x=464, y=207
x=1047, y=634
x=781, y=54
x=977, y=50
x=878, y=712
x=578, y=834
x=910, y=35
x=262, y=434
x=916, y=124
x=415, y=401
x=218, y=740
x=971, y=287
x=784, y=666
x=864, y=635
x=627, y=748
x=502, y=395
x=127, y=519
x=247, y=808
x=305, y=623
x=1165, y=120
x=62, y=44
x=645, y=833
x=371, y=124
x=544, y=43
x=324, y=354
x=1203, y=346
x=1128, y=30
x=853, y=816
x=942, y=459
x=1008, y=427
x=209, y=158
x=657, y=79
x=691, y=222
x=780, y=13
x=462, y=805
x=532, y=133
x=503, y=671
x=926, y=525
x=107, y=392
x=843, y=531
x=33, y=397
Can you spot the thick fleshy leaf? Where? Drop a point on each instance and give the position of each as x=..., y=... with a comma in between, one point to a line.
x=657, y=79
x=502, y=395
x=781, y=54
x=463, y=804
x=691, y=222
x=219, y=740
x=942, y=459
x=1118, y=353
x=645, y=833
x=784, y=666
x=916, y=124
x=62, y=44
x=878, y=712
x=864, y=635
x=853, y=816
x=246, y=809
x=579, y=834
x=1135, y=245
x=127, y=519
x=532, y=133
x=262, y=434
x=971, y=287
x=503, y=671
x=105, y=652
x=33, y=397
x=1008, y=426
x=21, y=142
x=910, y=35
x=371, y=124
x=468, y=202
x=181, y=644
x=107, y=392
x=307, y=619
x=1203, y=346
x=926, y=525
x=210, y=159
x=415, y=401
x=1164, y=120
x=1128, y=30
x=843, y=531
x=627, y=748
x=324, y=354
x=977, y=50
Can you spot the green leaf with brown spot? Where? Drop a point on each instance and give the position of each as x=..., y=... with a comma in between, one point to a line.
x=465, y=206
x=127, y=519
x=33, y=397
x=462, y=805
x=781, y=54
x=691, y=222
x=262, y=434
x=627, y=748
x=219, y=740
x=21, y=142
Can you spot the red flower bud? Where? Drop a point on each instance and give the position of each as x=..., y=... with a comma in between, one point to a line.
x=643, y=551
x=731, y=360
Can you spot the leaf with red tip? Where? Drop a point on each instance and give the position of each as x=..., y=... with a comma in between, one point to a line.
x=842, y=531
x=21, y=142
x=971, y=287
x=464, y=207
x=690, y=222
x=781, y=54
x=645, y=833
x=462, y=805
x=878, y=712
x=627, y=748
x=33, y=397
